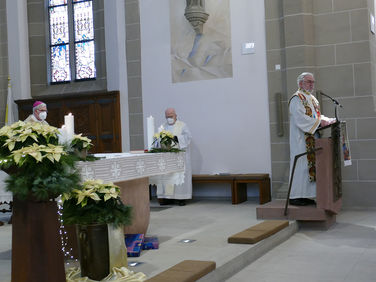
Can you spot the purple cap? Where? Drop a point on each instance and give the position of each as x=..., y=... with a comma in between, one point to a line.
x=37, y=104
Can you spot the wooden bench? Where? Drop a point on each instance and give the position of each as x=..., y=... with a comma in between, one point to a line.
x=258, y=232
x=185, y=271
x=239, y=184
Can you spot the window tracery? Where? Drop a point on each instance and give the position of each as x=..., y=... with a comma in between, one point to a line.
x=71, y=27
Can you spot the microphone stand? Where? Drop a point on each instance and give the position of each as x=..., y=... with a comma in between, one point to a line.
x=336, y=103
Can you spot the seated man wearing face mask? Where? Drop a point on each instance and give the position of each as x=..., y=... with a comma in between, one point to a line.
x=167, y=193
x=39, y=113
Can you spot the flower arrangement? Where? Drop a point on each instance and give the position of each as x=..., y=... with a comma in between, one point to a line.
x=80, y=142
x=164, y=141
x=95, y=202
x=39, y=167
x=80, y=145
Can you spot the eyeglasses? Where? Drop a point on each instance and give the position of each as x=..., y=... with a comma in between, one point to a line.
x=309, y=81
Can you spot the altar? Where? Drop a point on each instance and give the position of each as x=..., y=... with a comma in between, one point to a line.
x=131, y=172
x=6, y=197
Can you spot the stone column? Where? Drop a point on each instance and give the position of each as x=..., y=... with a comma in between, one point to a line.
x=18, y=48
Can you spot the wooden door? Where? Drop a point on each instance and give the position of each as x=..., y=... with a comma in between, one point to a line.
x=96, y=115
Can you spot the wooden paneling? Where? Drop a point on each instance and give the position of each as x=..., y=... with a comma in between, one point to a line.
x=96, y=115
x=36, y=244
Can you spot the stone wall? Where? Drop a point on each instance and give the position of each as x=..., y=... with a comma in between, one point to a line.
x=38, y=52
x=133, y=46
x=372, y=40
x=332, y=39
x=3, y=61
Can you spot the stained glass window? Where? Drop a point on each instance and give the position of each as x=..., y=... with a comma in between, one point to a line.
x=59, y=31
x=83, y=21
x=85, y=64
x=59, y=41
x=57, y=2
x=79, y=15
x=84, y=39
x=60, y=68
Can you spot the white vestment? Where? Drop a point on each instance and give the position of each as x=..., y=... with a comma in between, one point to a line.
x=32, y=118
x=302, y=120
x=183, y=191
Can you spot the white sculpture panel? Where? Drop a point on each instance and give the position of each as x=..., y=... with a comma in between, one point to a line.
x=200, y=40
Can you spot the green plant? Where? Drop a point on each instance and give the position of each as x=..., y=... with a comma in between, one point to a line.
x=164, y=141
x=39, y=167
x=95, y=202
x=80, y=142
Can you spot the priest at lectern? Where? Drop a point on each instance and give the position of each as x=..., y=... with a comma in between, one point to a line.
x=305, y=118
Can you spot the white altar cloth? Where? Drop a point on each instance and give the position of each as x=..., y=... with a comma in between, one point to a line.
x=5, y=196
x=118, y=167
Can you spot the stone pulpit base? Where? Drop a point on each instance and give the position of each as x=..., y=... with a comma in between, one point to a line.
x=328, y=199
x=307, y=216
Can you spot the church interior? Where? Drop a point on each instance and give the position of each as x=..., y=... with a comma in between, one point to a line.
x=228, y=69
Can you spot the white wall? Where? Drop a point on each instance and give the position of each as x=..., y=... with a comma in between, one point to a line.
x=228, y=118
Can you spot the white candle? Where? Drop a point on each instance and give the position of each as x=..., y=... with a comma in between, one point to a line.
x=69, y=126
x=62, y=135
x=150, y=130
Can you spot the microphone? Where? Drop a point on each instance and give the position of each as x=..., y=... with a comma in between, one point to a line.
x=333, y=100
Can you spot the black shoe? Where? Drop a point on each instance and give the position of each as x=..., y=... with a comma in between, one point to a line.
x=181, y=202
x=309, y=201
x=298, y=202
x=164, y=202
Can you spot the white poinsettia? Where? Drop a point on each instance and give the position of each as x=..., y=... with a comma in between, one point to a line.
x=110, y=191
x=42, y=129
x=82, y=196
x=165, y=140
x=39, y=152
x=19, y=132
x=53, y=152
x=81, y=141
x=37, y=165
x=92, y=183
x=93, y=189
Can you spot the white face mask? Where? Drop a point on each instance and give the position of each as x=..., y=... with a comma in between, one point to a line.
x=43, y=115
x=170, y=121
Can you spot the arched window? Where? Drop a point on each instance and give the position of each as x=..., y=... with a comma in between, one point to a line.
x=71, y=28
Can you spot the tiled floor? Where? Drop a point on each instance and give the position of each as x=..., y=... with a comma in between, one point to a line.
x=346, y=252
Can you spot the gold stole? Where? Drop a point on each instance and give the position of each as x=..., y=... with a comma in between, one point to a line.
x=310, y=139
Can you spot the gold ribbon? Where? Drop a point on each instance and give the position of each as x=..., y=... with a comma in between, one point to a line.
x=118, y=274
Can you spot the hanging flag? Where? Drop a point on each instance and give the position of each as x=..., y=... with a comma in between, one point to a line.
x=345, y=144
x=9, y=116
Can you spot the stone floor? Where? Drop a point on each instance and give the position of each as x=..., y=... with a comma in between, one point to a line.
x=345, y=252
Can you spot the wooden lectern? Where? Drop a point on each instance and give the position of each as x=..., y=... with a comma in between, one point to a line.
x=328, y=187
x=328, y=171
